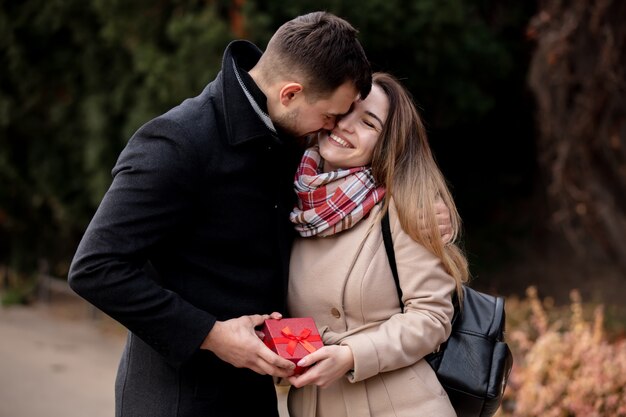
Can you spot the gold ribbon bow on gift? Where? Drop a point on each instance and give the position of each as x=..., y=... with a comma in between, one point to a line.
x=293, y=340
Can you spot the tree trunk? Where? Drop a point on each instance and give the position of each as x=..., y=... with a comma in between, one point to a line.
x=577, y=74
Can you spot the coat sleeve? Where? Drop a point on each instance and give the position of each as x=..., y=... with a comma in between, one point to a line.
x=425, y=323
x=151, y=194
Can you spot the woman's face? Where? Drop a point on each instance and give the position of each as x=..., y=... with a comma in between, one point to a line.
x=351, y=143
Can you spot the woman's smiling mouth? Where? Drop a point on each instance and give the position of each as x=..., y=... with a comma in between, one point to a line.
x=341, y=142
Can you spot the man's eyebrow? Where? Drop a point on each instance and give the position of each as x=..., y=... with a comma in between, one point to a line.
x=369, y=113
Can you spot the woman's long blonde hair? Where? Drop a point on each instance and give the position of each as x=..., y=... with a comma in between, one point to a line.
x=404, y=164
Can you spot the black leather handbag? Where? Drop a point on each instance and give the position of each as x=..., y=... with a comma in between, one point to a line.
x=474, y=364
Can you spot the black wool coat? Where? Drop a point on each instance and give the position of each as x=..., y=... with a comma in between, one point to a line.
x=193, y=229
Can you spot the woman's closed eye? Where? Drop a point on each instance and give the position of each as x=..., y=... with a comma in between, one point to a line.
x=372, y=120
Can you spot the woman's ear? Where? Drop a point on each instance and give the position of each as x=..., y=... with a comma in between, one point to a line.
x=289, y=92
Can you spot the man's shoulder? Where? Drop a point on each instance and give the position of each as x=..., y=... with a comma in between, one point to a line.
x=192, y=121
x=196, y=112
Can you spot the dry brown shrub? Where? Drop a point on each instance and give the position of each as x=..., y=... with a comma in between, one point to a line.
x=565, y=367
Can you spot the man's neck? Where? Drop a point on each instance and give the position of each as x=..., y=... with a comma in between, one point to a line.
x=256, y=73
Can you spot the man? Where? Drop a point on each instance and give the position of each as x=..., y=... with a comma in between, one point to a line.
x=190, y=246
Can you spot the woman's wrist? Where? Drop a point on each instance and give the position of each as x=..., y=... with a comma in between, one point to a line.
x=347, y=358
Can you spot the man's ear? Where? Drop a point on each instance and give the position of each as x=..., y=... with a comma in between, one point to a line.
x=289, y=92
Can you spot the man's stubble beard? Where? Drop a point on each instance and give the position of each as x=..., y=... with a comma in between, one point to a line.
x=287, y=124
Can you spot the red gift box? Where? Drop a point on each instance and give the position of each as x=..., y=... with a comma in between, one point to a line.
x=292, y=339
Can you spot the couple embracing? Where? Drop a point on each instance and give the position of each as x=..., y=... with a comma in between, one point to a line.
x=204, y=234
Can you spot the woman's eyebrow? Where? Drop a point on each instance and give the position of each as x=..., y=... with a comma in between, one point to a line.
x=369, y=113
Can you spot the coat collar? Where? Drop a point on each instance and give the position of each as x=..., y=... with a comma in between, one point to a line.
x=244, y=103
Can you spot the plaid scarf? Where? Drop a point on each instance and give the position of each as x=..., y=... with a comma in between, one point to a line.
x=333, y=201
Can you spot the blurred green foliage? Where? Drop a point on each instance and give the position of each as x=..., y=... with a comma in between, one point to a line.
x=78, y=77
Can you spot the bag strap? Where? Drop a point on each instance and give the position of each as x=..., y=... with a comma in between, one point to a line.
x=391, y=254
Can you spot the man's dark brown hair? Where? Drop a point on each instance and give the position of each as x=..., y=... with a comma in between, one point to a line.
x=323, y=50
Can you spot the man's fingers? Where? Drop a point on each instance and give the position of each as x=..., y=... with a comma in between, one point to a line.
x=275, y=360
x=263, y=361
x=257, y=319
x=276, y=315
x=266, y=368
x=441, y=207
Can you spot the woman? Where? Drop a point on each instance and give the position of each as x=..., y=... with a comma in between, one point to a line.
x=372, y=364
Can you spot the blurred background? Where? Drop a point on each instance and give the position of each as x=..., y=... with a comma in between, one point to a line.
x=525, y=103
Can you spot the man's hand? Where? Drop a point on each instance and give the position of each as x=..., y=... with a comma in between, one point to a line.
x=442, y=214
x=331, y=362
x=236, y=342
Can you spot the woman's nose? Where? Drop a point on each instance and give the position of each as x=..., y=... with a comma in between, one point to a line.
x=345, y=123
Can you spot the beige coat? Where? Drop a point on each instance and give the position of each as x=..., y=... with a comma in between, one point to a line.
x=345, y=283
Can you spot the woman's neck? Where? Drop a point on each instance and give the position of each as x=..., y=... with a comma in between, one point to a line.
x=326, y=167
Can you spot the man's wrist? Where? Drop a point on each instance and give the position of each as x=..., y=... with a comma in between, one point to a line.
x=209, y=341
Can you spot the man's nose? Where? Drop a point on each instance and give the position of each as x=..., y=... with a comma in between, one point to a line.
x=330, y=123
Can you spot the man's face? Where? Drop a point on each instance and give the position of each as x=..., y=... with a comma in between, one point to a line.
x=303, y=118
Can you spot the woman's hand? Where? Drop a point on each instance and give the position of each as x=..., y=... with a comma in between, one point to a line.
x=330, y=363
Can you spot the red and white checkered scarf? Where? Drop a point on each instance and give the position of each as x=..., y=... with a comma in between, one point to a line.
x=332, y=201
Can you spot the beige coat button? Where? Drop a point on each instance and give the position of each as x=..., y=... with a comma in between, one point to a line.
x=336, y=314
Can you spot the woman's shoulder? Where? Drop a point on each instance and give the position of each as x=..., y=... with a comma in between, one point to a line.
x=401, y=238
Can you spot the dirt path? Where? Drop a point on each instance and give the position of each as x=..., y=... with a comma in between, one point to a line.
x=56, y=366
x=56, y=361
